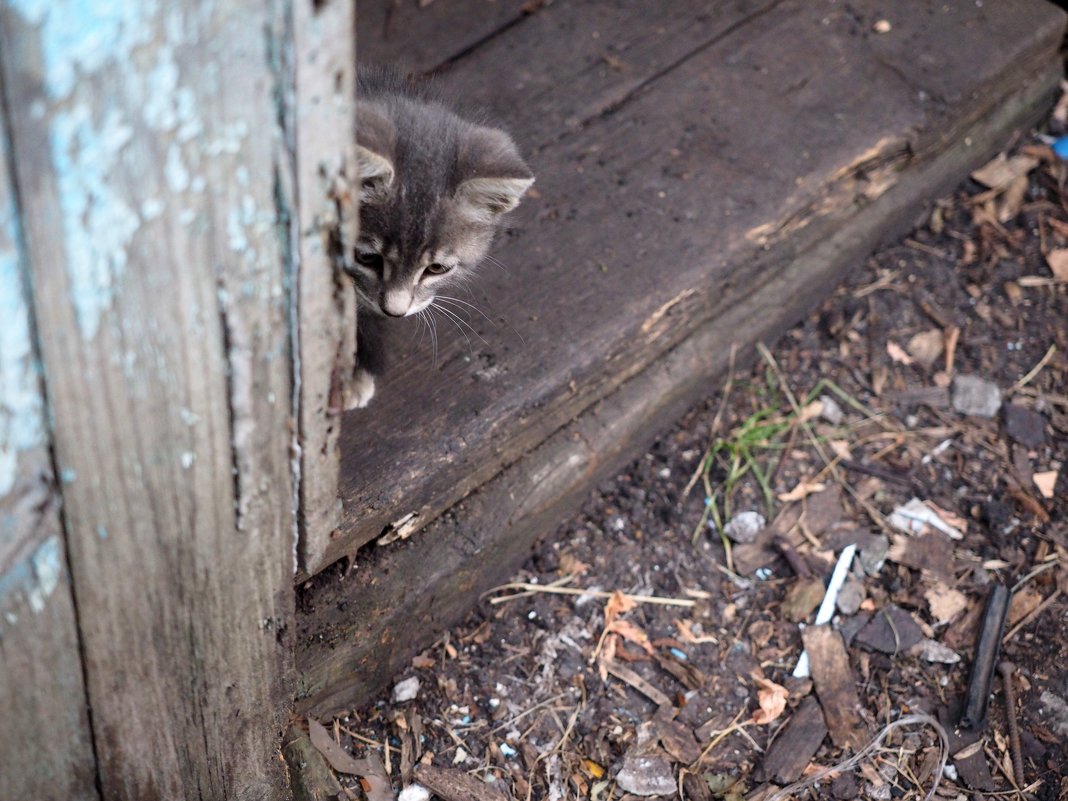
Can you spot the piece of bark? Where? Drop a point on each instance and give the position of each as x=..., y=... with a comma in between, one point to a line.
x=631, y=678
x=835, y=686
x=688, y=675
x=455, y=785
x=891, y=631
x=310, y=778
x=676, y=738
x=965, y=749
x=792, y=750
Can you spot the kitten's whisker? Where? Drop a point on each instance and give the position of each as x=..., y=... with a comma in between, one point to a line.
x=459, y=321
x=470, y=347
x=499, y=265
x=469, y=305
x=504, y=320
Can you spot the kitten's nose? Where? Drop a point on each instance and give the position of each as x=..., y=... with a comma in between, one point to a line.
x=396, y=302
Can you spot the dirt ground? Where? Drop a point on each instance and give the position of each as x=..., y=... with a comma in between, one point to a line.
x=640, y=653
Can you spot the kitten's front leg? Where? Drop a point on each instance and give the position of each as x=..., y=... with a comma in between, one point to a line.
x=361, y=390
x=370, y=361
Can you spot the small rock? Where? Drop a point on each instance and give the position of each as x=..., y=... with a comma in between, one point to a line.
x=744, y=526
x=1055, y=712
x=850, y=597
x=406, y=690
x=414, y=792
x=933, y=651
x=872, y=554
x=844, y=787
x=926, y=346
x=976, y=396
x=647, y=775
x=831, y=411
x=1024, y=425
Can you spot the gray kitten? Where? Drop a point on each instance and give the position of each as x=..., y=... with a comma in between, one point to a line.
x=433, y=190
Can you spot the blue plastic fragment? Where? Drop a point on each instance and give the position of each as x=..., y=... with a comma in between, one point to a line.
x=1060, y=147
x=508, y=751
x=679, y=654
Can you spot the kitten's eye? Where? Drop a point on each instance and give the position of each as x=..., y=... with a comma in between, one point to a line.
x=369, y=258
x=438, y=269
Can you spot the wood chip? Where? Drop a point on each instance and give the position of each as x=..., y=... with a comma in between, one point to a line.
x=1002, y=171
x=628, y=676
x=945, y=602
x=793, y=749
x=450, y=784
x=1046, y=481
x=835, y=686
x=1058, y=263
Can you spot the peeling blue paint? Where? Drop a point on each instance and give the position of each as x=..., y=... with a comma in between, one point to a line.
x=80, y=36
x=34, y=578
x=97, y=223
x=21, y=407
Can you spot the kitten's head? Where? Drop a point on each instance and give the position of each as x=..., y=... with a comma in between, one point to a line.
x=433, y=190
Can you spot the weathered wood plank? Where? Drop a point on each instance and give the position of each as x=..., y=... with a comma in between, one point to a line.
x=421, y=36
x=45, y=743
x=355, y=634
x=324, y=116
x=147, y=147
x=655, y=218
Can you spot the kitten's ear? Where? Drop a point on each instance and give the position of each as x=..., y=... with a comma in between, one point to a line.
x=375, y=171
x=488, y=197
x=498, y=176
x=375, y=138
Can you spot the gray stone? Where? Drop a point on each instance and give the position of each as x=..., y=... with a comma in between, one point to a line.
x=1024, y=425
x=647, y=775
x=831, y=411
x=745, y=526
x=850, y=597
x=405, y=690
x=976, y=396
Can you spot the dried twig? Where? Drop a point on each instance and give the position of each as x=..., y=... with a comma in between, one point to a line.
x=1034, y=371
x=532, y=589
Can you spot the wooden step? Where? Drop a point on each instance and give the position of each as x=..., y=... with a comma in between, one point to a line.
x=704, y=177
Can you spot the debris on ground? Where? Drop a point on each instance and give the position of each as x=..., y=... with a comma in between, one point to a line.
x=909, y=439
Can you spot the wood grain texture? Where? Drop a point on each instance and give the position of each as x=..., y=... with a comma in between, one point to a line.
x=147, y=148
x=417, y=37
x=45, y=743
x=656, y=215
x=324, y=211
x=355, y=633
x=835, y=686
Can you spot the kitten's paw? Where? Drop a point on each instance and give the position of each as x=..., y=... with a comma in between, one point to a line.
x=360, y=391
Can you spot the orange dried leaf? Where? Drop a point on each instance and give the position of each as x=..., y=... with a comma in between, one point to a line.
x=631, y=631
x=772, y=700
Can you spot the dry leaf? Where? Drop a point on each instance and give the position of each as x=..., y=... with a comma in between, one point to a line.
x=617, y=605
x=812, y=411
x=570, y=565
x=895, y=352
x=1013, y=199
x=1002, y=171
x=370, y=769
x=926, y=346
x=772, y=700
x=945, y=602
x=1058, y=263
x=1024, y=602
x=841, y=448
x=1046, y=481
x=631, y=631
x=803, y=489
